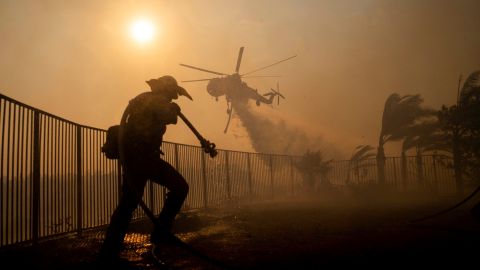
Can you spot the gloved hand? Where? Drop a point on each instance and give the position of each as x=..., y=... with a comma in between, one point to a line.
x=175, y=108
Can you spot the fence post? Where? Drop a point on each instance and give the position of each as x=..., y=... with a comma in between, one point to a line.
x=36, y=178
x=119, y=179
x=204, y=176
x=394, y=172
x=177, y=166
x=292, y=176
x=271, y=174
x=229, y=192
x=79, y=180
x=249, y=170
x=435, y=176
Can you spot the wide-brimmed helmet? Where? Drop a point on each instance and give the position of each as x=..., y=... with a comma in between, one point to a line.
x=167, y=84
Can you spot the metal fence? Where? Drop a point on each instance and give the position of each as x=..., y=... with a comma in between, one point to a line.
x=432, y=173
x=54, y=179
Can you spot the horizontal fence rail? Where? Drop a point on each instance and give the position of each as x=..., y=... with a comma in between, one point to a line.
x=54, y=179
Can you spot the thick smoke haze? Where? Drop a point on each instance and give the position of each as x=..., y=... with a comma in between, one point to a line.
x=77, y=60
x=271, y=134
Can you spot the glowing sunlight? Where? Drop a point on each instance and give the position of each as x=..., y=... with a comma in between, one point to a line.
x=142, y=31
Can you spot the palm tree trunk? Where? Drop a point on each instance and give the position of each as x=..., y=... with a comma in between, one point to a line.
x=418, y=159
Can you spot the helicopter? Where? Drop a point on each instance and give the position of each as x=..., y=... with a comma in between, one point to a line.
x=235, y=90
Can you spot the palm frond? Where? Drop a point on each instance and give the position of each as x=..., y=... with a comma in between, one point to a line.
x=409, y=142
x=362, y=151
x=367, y=156
x=401, y=112
x=470, y=89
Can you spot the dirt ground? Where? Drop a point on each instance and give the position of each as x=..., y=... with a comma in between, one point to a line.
x=324, y=230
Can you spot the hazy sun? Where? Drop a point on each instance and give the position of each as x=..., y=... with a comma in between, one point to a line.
x=142, y=31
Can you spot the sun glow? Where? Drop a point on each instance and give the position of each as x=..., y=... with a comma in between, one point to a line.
x=142, y=31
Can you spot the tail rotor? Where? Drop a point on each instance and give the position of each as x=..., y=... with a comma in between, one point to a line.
x=277, y=93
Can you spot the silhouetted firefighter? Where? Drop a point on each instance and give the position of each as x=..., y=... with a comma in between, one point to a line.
x=136, y=142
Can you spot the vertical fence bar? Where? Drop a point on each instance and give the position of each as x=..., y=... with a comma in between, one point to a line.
x=119, y=179
x=7, y=194
x=2, y=142
x=18, y=178
x=79, y=180
x=204, y=181
x=56, y=181
x=90, y=179
x=292, y=176
x=44, y=130
x=270, y=161
x=20, y=197
x=227, y=169
x=249, y=169
x=36, y=178
x=177, y=166
x=12, y=190
x=435, y=175
x=394, y=172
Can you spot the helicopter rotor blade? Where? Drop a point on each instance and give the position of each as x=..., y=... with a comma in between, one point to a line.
x=261, y=76
x=204, y=70
x=239, y=60
x=269, y=65
x=199, y=80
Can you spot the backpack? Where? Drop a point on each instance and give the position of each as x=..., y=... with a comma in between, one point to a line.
x=111, y=148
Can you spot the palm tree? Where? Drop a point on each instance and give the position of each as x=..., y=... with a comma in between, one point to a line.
x=470, y=92
x=398, y=114
x=461, y=123
x=358, y=158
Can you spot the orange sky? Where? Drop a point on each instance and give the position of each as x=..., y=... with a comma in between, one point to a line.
x=77, y=60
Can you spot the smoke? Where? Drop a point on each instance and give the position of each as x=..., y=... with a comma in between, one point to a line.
x=278, y=136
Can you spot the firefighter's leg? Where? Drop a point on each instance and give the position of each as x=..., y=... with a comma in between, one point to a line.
x=165, y=175
x=130, y=197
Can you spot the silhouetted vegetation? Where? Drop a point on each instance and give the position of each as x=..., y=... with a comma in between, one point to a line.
x=399, y=115
x=313, y=167
x=423, y=136
x=461, y=126
x=453, y=130
x=358, y=160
